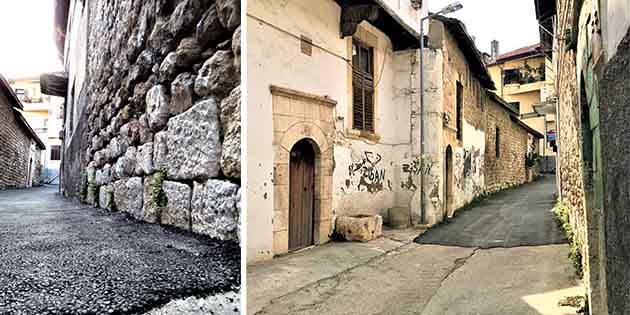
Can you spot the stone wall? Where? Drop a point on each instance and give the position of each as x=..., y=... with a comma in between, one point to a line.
x=14, y=150
x=508, y=169
x=570, y=134
x=161, y=139
x=614, y=115
x=468, y=152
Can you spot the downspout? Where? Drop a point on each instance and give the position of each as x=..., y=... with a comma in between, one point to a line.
x=421, y=75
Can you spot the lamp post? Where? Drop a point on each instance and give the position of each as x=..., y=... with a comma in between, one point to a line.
x=446, y=10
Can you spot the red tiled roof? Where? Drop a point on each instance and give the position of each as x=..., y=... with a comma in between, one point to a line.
x=521, y=52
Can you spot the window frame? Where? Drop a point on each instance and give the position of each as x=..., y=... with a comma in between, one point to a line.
x=459, y=110
x=55, y=150
x=497, y=142
x=364, y=72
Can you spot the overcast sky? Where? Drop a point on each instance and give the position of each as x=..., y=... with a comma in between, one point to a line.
x=511, y=22
x=26, y=37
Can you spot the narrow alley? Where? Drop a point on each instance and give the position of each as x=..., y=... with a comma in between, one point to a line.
x=61, y=257
x=504, y=256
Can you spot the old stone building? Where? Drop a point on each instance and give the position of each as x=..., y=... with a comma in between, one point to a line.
x=152, y=113
x=337, y=120
x=592, y=52
x=20, y=148
x=475, y=141
x=524, y=77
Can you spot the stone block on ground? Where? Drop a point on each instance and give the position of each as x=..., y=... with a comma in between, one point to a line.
x=362, y=228
x=177, y=210
x=128, y=195
x=153, y=203
x=106, y=197
x=399, y=217
x=214, y=210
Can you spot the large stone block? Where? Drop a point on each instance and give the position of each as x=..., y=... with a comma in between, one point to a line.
x=359, y=228
x=193, y=143
x=214, y=210
x=229, y=13
x=144, y=159
x=217, y=76
x=106, y=197
x=177, y=209
x=128, y=196
x=399, y=217
x=104, y=175
x=160, y=151
x=209, y=29
x=153, y=198
x=236, y=49
x=182, y=93
x=157, y=107
x=231, y=130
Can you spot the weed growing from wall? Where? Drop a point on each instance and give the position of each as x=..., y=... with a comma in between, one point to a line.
x=575, y=252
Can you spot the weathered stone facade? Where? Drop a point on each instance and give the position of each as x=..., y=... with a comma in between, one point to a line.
x=592, y=44
x=162, y=106
x=508, y=167
x=17, y=163
x=460, y=141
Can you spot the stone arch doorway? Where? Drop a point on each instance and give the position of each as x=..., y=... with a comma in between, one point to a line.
x=302, y=168
x=448, y=181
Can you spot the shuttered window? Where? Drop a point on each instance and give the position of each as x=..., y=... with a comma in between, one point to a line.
x=362, y=87
x=459, y=111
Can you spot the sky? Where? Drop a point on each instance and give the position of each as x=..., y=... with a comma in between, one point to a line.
x=26, y=37
x=28, y=48
x=511, y=22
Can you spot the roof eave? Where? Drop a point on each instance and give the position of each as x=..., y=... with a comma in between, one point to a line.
x=469, y=49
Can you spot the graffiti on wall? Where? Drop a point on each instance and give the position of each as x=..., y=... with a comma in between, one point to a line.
x=468, y=169
x=369, y=172
x=415, y=168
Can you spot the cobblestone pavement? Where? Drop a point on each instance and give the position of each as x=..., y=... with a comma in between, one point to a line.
x=60, y=257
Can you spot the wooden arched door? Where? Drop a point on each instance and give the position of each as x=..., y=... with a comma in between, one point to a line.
x=301, y=195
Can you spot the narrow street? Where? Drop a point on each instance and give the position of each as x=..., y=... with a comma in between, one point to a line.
x=504, y=256
x=61, y=257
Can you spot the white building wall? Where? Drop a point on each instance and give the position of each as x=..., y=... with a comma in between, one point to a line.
x=615, y=15
x=274, y=58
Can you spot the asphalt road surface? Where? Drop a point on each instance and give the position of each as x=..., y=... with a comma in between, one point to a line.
x=503, y=256
x=517, y=217
x=60, y=257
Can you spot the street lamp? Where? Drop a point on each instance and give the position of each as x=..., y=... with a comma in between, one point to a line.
x=446, y=10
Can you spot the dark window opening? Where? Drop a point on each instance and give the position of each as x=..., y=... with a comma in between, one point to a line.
x=459, y=111
x=55, y=153
x=516, y=105
x=512, y=76
x=497, y=142
x=362, y=87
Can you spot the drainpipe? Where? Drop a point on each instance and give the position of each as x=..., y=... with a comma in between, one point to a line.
x=421, y=74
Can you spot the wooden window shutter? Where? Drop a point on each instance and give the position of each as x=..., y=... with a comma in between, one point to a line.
x=362, y=88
